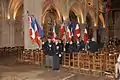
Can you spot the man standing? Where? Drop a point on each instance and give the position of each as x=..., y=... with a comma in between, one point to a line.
x=56, y=59
x=61, y=45
x=49, y=56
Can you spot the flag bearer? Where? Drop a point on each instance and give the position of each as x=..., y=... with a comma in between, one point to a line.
x=56, y=59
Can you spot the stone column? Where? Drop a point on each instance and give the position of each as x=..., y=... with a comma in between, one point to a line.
x=82, y=28
x=104, y=35
x=4, y=25
x=11, y=26
x=5, y=34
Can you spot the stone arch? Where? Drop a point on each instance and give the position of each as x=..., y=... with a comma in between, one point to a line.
x=47, y=7
x=15, y=11
x=78, y=10
x=49, y=14
x=13, y=8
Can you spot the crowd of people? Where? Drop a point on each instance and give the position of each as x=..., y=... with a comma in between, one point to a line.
x=54, y=50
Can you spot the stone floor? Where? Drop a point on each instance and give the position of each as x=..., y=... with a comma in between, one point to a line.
x=11, y=70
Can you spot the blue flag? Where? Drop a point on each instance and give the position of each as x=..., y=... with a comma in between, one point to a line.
x=72, y=27
x=32, y=23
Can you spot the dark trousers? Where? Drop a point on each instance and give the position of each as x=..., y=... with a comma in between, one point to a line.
x=49, y=61
x=61, y=58
x=56, y=62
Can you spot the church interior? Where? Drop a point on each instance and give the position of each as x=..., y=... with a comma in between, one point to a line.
x=24, y=58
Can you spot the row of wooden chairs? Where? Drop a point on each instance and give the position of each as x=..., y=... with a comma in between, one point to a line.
x=91, y=63
x=7, y=51
x=32, y=57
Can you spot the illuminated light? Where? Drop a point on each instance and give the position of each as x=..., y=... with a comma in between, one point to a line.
x=43, y=21
x=64, y=18
x=58, y=14
x=8, y=16
x=95, y=24
x=82, y=17
x=103, y=25
x=14, y=16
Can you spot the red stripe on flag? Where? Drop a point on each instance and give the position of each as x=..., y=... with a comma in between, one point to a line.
x=85, y=36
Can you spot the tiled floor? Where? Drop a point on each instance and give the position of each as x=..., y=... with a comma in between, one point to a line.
x=10, y=70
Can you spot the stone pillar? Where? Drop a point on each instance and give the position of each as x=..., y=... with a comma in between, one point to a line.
x=35, y=8
x=5, y=34
x=4, y=25
x=11, y=26
x=104, y=35
x=8, y=33
x=95, y=33
x=82, y=28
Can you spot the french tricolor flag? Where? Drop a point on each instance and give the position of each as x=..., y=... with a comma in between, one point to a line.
x=31, y=28
x=37, y=36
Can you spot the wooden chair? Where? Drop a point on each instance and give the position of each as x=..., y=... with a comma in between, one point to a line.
x=81, y=63
x=110, y=65
x=41, y=57
x=66, y=60
x=97, y=65
x=86, y=63
x=75, y=61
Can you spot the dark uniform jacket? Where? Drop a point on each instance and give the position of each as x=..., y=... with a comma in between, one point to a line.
x=67, y=47
x=74, y=46
x=77, y=47
x=70, y=48
x=61, y=45
x=57, y=50
x=82, y=45
x=50, y=49
x=44, y=48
